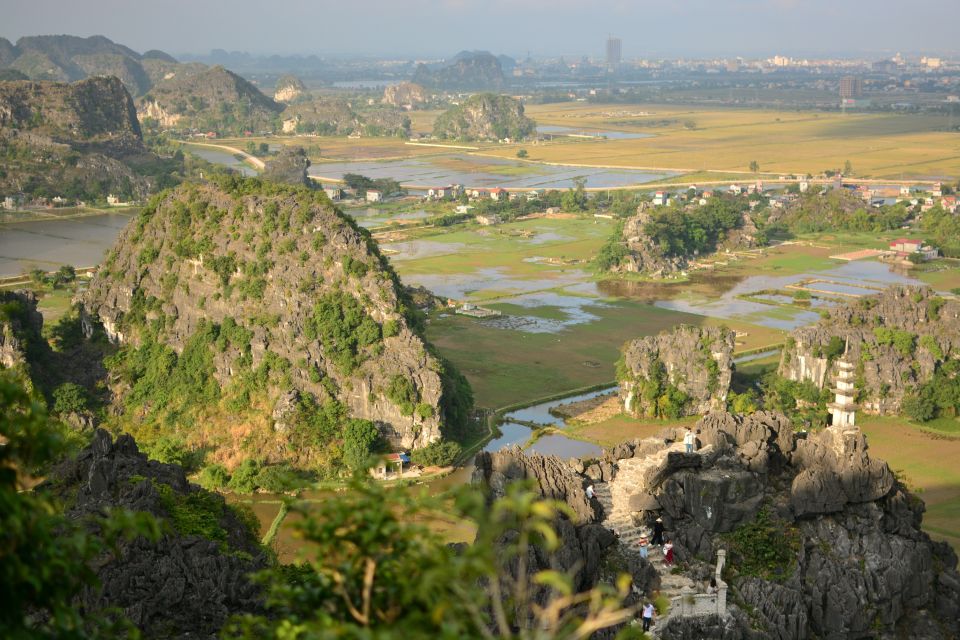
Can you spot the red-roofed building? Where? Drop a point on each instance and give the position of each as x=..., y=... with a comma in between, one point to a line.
x=498, y=194
x=906, y=245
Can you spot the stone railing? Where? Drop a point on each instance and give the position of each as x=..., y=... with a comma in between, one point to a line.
x=689, y=603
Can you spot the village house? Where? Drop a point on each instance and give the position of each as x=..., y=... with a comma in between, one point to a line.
x=477, y=194
x=374, y=196
x=905, y=247
x=949, y=203
x=660, y=198
x=736, y=189
x=804, y=186
x=499, y=194
x=534, y=194
x=390, y=464
x=937, y=190
x=904, y=191
x=334, y=193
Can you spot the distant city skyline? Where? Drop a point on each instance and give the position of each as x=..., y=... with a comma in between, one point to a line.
x=437, y=28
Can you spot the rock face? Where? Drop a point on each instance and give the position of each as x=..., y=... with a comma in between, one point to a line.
x=485, y=116
x=185, y=584
x=897, y=340
x=212, y=99
x=289, y=167
x=643, y=254
x=20, y=323
x=697, y=362
x=81, y=140
x=288, y=89
x=299, y=287
x=859, y=564
x=468, y=70
x=586, y=548
x=405, y=95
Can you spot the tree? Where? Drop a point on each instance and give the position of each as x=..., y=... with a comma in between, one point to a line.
x=522, y=153
x=847, y=168
x=360, y=438
x=754, y=166
x=377, y=571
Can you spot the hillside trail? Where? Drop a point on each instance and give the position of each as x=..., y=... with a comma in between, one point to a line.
x=633, y=477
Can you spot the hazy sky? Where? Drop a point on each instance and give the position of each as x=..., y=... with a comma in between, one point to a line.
x=544, y=27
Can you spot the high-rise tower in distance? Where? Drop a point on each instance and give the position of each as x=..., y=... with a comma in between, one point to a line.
x=613, y=52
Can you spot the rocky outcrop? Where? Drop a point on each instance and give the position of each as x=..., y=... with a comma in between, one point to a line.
x=696, y=362
x=467, y=71
x=187, y=583
x=20, y=323
x=288, y=89
x=211, y=99
x=643, y=254
x=274, y=279
x=485, y=116
x=289, y=167
x=405, y=95
x=859, y=563
x=897, y=339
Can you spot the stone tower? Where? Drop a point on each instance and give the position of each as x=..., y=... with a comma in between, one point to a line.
x=843, y=408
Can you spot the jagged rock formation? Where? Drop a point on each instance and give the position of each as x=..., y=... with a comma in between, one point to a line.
x=897, y=339
x=273, y=283
x=405, y=95
x=324, y=116
x=214, y=99
x=289, y=167
x=20, y=324
x=81, y=140
x=288, y=89
x=696, y=361
x=468, y=70
x=587, y=550
x=70, y=58
x=643, y=255
x=853, y=560
x=485, y=116
x=195, y=576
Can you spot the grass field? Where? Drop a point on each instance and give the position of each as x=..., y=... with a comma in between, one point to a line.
x=726, y=139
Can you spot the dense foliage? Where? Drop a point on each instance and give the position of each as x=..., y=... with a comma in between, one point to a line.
x=679, y=232
x=840, y=210
x=377, y=570
x=943, y=228
x=938, y=397
x=765, y=547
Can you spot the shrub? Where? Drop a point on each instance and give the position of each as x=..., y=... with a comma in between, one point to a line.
x=69, y=398
x=766, y=547
x=277, y=478
x=403, y=394
x=196, y=513
x=436, y=454
x=360, y=438
x=214, y=477
x=244, y=478
x=171, y=450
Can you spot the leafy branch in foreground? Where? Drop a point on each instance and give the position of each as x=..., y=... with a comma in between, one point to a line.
x=377, y=570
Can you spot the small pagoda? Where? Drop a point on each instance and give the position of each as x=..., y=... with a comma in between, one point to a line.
x=843, y=408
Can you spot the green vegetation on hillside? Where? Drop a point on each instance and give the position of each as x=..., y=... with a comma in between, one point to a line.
x=679, y=232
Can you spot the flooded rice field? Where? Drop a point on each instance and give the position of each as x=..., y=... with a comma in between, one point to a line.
x=49, y=244
x=475, y=171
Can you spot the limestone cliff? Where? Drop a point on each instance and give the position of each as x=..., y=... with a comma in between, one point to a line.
x=195, y=576
x=405, y=95
x=682, y=371
x=286, y=304
x=643, y=254
x=897, y=339
x=20, y=325
x=210, y=99
x=288, y=89
x=79, y=140
x=485, y=116
x=289, y=167
x=822, y=540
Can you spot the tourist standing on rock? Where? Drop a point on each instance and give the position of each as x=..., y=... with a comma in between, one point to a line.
x=689, y=440
x=590, y=493
x=658, y=532
x=668, y=553
x=644, y=544
x=647, y=616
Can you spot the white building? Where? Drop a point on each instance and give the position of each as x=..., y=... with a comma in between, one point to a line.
x=374, y=196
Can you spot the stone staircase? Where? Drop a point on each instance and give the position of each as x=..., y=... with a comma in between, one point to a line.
x=633, y=477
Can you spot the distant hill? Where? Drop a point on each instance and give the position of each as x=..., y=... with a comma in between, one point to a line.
x=288, y=89
x=467, y=70
x=485, y=116
x=79, y=140
x=213, y=98
x=64, y=58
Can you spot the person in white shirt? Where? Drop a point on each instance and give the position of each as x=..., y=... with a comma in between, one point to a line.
x=647, y=616
x=589, y=492
x=690, y=440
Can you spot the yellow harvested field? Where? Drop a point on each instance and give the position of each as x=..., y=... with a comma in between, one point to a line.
x=728, y=140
